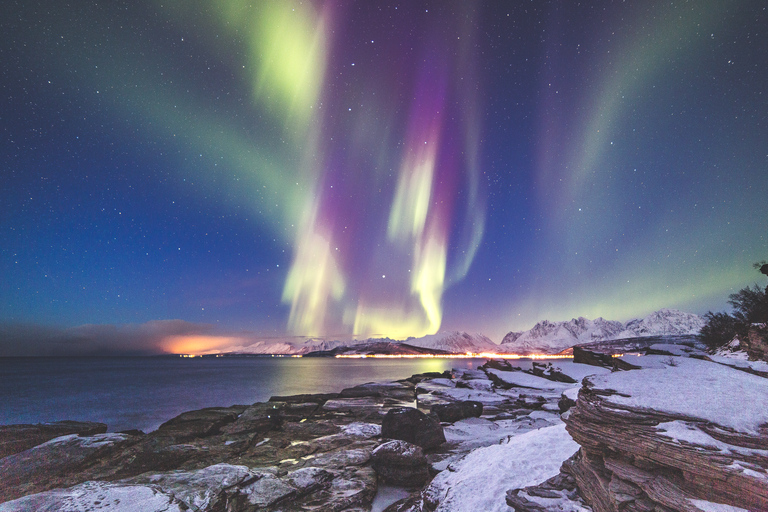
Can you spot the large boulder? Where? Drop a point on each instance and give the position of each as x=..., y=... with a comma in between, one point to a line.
x=455, y=411
x=400, y=463
x=412, y=425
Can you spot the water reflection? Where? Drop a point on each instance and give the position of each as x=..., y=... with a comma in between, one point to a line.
x=142, y=393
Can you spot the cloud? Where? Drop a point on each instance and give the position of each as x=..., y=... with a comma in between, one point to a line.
x=149, y=338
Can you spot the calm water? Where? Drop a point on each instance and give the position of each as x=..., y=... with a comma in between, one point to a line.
x=139, y=392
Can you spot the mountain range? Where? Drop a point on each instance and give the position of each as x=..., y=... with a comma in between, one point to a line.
x=552, y=337
x=545, y=337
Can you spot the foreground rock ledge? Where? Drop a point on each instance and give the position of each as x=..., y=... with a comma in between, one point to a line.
x=663, y=438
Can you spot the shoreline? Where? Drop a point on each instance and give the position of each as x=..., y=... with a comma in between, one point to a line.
x=335, y=449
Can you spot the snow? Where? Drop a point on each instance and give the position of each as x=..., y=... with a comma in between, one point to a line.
x=527, y=380
x=681, y=431
x=358, y=429
x=481, y=479
x=708, y=506
x=696, y=389
x=94, y=441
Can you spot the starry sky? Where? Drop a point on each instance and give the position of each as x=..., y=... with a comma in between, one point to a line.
x=234, y=170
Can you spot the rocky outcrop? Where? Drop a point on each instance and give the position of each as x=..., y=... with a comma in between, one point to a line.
x=671, y=437
x=456, y=411
x=757, y=342
x=413, y=426
x=401, y=463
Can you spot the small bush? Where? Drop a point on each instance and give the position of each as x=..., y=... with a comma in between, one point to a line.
x=719, y=330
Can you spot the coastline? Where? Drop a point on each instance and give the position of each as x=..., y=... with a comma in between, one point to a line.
x=510, y=439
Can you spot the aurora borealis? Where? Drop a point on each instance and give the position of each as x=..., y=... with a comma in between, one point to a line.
x=230, y=170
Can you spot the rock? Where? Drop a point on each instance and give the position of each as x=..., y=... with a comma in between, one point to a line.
x=201, y=489
x=400, y=463
x=257, y=418
x=757, y=342
x=655, y=439
x=200, y=423
x=102, y=496
x=453, y=412
x=412, y=425
x=17, y=438
x=584, y=356
x=50, y=464
x=567, y=400
x=499, y=364
x=316, y=398
x=550, y=372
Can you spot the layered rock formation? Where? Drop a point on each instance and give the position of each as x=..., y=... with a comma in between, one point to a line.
x=681, y=436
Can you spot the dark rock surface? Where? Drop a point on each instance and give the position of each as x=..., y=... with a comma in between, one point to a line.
x=757, y=342
x=414, y=426
x=401, y=463
x=453, y=412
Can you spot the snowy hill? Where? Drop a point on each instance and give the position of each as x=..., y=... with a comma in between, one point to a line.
x=455, y=342
x=551, y=337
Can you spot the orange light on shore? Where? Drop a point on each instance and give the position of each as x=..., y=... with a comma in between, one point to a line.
x=197, y=344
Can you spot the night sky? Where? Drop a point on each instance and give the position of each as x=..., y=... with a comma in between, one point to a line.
x=232, y=170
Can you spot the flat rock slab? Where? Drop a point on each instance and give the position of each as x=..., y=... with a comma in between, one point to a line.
x=17, y=438
x=101, y=496
x=42, y=465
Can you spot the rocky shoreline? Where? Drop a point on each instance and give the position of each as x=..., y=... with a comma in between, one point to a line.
x=496, y=438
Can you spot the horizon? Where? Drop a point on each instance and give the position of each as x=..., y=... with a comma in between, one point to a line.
x=159, y=339
x=211, y=175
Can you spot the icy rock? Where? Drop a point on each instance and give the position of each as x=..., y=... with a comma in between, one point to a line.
x=200, y=489
x=102, y=496
x=414, y=426
x=400, y=463
x=17, y=438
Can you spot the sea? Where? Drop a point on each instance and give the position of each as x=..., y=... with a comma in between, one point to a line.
x=144, y=392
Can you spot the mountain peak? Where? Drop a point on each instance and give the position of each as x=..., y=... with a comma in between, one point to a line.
x=549, y=337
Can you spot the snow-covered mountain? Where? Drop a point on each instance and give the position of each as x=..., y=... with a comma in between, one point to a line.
x=294, y=346
x=664, y=322
x=551, y=337
x=455, y=342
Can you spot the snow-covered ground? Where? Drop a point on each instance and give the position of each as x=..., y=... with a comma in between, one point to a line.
x=480, y=480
